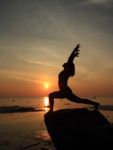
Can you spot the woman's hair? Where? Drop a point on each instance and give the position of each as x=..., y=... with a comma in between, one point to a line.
x=70, y=68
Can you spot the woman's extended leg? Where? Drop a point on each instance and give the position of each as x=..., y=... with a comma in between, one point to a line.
x=77, y=99
x=53, y=95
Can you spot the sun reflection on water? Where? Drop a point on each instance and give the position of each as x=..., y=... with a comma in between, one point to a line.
x=46, y=103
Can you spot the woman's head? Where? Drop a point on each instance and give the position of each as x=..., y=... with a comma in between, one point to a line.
x=70, y=68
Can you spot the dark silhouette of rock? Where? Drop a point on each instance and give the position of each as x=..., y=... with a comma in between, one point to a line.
x=15, y=109
x=78, y=128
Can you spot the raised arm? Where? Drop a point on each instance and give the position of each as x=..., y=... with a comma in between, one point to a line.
x=74, y=54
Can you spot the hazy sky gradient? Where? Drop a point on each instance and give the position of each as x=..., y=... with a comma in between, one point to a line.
x=37, y=36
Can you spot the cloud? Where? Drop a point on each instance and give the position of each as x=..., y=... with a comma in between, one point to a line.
x=55, y=20
x=100, y=1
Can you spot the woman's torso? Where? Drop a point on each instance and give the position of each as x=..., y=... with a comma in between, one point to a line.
x=63, y=79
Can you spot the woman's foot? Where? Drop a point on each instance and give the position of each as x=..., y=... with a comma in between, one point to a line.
x=50, y=111
x=97, y=106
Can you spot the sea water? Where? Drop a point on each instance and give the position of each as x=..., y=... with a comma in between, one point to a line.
x=42, y=103
x=27, y=129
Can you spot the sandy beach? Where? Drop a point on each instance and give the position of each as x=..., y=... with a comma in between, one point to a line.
x=23, y=131
x=23, y=127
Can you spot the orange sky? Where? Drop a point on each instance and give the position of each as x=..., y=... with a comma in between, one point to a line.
x=36, y=38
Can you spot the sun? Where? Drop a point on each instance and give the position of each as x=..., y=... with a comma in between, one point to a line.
x=46, y=85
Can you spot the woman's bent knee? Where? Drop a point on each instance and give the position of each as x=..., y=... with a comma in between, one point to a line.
x=50, y=95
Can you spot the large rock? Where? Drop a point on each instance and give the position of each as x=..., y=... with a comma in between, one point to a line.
x=77, y=128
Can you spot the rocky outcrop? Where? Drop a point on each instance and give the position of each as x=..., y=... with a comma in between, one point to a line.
x=70, y=129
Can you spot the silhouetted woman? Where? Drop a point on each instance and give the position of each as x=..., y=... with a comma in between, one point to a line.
x=64, y=90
